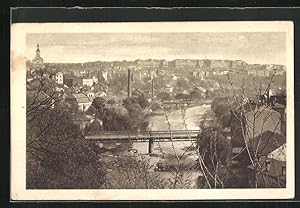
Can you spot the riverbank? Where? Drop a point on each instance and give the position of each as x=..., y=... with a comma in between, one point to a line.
x=164, y=153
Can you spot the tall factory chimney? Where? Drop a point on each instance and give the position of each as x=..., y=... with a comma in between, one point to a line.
x=129, y=83
x=152, y=85
x=98, y=76
x=152, y=88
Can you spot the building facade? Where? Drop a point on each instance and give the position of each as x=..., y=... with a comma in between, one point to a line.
x=178, y=63
x=149, y=63
x=204, y=63
x=164, y=63
x=83, y=102
x=87, y=82
x=238, y=64
x=59, y=78
x=221, y=64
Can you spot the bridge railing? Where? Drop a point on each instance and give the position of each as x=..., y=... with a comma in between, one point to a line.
x=142, y=132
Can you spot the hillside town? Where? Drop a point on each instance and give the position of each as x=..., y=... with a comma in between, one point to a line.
x=91, y=79
x=135, y=95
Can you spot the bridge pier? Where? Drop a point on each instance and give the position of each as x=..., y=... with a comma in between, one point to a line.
x=150, y=146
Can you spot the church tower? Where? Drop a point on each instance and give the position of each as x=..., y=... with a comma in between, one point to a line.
x=37, y=62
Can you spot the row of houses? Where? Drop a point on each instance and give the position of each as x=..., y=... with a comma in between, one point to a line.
x=202, y=63
x=265, y=69
x=260, y=71
x=205, y=73
x=82, y=99
x=151, y=63
x=216, y=67
x=262, y=136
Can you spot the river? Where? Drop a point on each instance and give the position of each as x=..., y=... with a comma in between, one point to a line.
x=188, y=119
x=175, y=120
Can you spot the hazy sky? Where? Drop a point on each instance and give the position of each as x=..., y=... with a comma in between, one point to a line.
x=266, y=47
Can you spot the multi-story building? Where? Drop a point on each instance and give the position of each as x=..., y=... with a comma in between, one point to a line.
x=220, y=72
x=221, y=64
x=59, y=78
x=238, y=64
x=184, y=63
x=258, y=70
x=251, y=72
x=83, y=102
x=277, y=69
x=195, y=73
x=88, y=82
x=268, y=69
x=149, y=63
x=262, y=73
x=164, y=63
x=204, y=63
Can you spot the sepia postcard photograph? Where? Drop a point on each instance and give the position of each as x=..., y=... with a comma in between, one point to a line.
x=152, y=111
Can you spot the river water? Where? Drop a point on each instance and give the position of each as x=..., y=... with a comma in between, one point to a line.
x=179, y=119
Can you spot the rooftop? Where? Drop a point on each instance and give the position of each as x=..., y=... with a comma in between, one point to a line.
x=81, y=98
x=267, y=142
x=262, y=119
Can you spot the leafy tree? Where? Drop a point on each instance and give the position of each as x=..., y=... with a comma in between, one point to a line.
x=111, y=102
x=116, y=118
x=91, y=111
x=182, y=96
x=143, y=102
x=164, y=96
x=182, y=84
x=58, y=156
x=94, y=126
x=135, y=112
x=196, y=94
x=99, y=103
x=119, y=82
x=220, y=106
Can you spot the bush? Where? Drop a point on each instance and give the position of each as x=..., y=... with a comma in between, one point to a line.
x=164, y=96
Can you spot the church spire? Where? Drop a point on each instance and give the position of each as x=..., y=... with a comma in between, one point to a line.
x=38, y=48
x=37, y=62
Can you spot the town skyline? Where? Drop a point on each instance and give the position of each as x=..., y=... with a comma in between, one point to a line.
x=84, y=47
x=101, y=61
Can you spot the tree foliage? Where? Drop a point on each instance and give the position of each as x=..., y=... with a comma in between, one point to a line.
x=182, y=84
x=57, y=154
x=129, y=116
x=196, y=94
x=164, y=96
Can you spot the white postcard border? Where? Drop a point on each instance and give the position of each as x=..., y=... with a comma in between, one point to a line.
x=18, y=106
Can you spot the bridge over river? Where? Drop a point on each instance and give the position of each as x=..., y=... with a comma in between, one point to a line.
x=144, y=136
x=186, y=103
